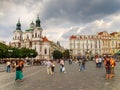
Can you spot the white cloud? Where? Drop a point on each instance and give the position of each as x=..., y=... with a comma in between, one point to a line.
x=55, y=34
x=60, y=19
x=1, y=14
x=110, y=24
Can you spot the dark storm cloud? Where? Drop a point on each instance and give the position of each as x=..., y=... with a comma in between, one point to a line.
x=79, y=11
x=59, y=15
x=72, y=31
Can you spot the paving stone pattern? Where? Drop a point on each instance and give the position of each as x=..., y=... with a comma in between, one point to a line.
x=36, y=78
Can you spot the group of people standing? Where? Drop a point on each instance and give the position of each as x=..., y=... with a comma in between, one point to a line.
x=51, y=66
x=81, y=61
x=16, y=66
x=98, y=61
x=10, y=66
x=109, y=63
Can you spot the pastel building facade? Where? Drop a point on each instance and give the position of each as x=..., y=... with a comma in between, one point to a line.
x=101, y=43
x=33, y=38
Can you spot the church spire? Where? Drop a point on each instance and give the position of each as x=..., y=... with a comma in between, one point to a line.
x=32, y=24
x=38, y=22
x=18, y=25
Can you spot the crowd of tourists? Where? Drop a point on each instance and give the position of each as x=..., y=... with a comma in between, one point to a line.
x=17, y=67
x=51, y=65
x=101, y=61
x=109, y=64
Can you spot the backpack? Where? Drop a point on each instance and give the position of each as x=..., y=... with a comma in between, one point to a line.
x=113, y=64
x=108, y=64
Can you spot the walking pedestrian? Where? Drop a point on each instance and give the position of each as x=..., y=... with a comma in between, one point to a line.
x=52, y=66
x=49, y=64
x=107, y=67
x=8, y=64
x=70, y=60
x=82, y=67
x=62, y=66
x=19, y=70
x=13, y=66
x=97, y=61
x=79, y=59
x=100, y=62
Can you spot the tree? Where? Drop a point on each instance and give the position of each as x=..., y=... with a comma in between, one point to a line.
x=66, y=54
x=57, y=54
x=25, y=52
x=13, y=52
x=32, y=53
x=3, y=50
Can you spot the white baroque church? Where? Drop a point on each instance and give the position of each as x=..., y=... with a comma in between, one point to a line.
x=32, y=38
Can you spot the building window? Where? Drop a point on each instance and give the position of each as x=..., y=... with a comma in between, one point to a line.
x=45, y=51
x=30, y=44
x=35, y=34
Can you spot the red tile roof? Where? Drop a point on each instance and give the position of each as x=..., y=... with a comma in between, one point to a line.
x=100, y=33
x=113, y=34
x=73, y=37
x=45, y=39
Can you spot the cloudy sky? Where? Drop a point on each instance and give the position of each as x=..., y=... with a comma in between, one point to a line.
x=60, y=18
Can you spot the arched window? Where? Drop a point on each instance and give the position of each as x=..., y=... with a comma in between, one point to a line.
x=45, y=51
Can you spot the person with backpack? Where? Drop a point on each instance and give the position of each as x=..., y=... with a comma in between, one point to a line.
x=108, y=67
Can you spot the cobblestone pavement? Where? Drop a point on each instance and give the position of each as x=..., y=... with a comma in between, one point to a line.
x=36, y=78
x=2, y=67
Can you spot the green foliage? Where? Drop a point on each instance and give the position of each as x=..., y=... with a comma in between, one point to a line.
x=117, y=55
x=66, y=54
x=25, y=52
x=57, y=54
x=12, y=52
x=33, y=53
x=3, y=50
